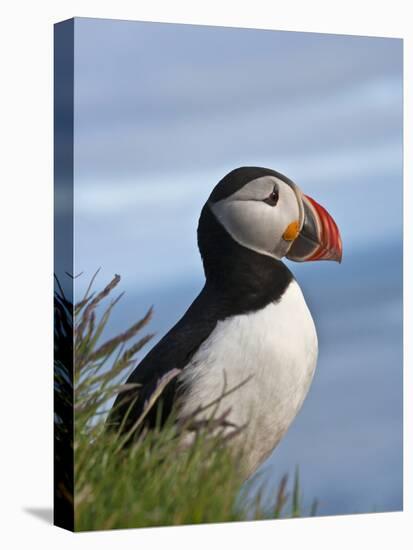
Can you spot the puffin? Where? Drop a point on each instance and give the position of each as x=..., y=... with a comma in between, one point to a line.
x=248, y=343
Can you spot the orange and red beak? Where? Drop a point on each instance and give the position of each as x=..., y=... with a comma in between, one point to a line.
x=319, y=237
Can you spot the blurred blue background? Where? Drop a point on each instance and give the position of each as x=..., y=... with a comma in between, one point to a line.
x=162, y=112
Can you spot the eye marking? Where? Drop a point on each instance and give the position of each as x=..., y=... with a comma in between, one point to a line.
x=273, y=198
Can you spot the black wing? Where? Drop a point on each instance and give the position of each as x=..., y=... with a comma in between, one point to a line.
x=172, y=352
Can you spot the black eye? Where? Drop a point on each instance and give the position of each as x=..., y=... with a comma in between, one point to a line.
x=273, y=198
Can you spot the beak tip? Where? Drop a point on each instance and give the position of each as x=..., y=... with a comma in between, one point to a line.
x=338, y=256
x=338, y=252
x=339, y=249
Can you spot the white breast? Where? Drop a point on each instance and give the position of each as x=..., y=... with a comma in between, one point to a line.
x=276, y=349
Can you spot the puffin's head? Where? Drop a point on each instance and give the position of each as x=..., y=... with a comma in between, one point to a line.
x=268, y=213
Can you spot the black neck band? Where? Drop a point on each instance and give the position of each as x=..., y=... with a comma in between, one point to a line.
x=243, y=278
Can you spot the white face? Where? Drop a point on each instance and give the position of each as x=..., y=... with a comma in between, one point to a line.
x=262, y=215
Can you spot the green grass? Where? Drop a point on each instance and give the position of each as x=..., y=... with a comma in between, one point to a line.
x=156, y=480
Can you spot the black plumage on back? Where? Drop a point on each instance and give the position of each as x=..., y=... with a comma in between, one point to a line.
x=173, y=351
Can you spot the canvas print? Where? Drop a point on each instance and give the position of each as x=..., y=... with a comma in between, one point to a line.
x=228, y=274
